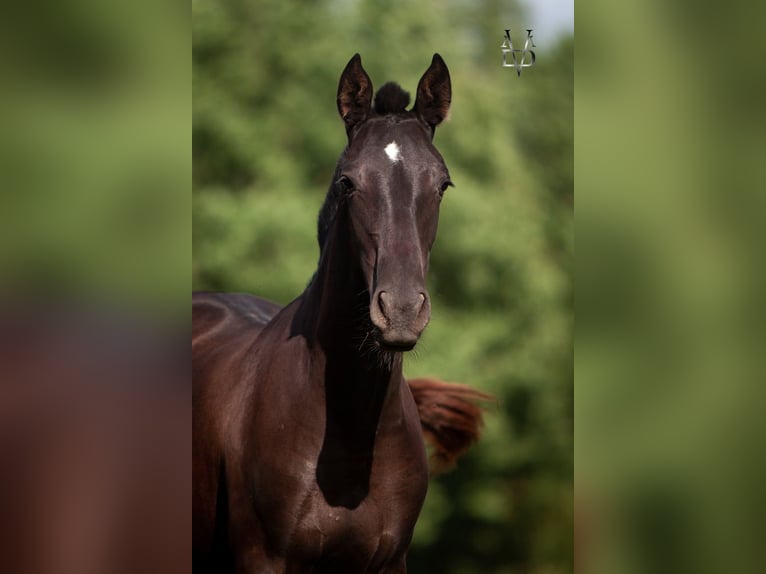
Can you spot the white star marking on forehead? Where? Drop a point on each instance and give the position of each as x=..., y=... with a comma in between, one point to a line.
x=392, y=151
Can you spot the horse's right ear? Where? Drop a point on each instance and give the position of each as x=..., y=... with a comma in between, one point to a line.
x=354, y=93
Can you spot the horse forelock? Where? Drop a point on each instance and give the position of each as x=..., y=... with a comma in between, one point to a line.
x=391, y=99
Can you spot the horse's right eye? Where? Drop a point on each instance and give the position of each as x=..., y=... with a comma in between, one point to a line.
x=345, y=184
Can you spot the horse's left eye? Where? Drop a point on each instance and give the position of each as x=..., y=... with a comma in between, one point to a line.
x=443, y=187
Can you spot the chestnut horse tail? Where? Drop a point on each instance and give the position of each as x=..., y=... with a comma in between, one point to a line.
x=451, y=416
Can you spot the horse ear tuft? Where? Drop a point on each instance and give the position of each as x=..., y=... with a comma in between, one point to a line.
x=434, y=93
x=354, y=93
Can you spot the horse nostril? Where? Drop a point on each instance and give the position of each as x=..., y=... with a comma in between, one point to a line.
x=424, y=307
x=382, y=303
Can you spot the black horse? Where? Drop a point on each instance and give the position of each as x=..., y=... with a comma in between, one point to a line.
x=308, y=443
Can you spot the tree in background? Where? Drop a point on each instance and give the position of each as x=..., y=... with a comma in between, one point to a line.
x=266, y=137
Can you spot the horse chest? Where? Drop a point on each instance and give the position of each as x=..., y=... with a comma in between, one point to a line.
x=360, y=539
x=339, y=488
x=372, y=532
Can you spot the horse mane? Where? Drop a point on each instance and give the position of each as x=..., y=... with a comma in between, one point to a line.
x=329, y=208
x=391, y=99
x=451, y=417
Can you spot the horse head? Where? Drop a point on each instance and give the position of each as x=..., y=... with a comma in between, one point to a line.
x=390, y=180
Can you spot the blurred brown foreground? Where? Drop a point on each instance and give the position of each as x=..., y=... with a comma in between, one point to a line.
x=95, y=419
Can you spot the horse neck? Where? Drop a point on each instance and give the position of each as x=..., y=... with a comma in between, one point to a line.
x=334, y=313
x=361, y=388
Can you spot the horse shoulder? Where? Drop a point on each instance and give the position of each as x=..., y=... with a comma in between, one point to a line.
x=224, y=328
x=225, y=348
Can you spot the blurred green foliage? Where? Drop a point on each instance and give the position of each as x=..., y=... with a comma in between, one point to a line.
x=94, y=163
x=266, y=136
x=670, y=283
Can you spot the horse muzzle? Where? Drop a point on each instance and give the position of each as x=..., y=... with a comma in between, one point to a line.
x=400, y=318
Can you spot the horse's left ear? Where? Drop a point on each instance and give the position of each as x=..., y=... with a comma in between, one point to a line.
x=434, y=93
